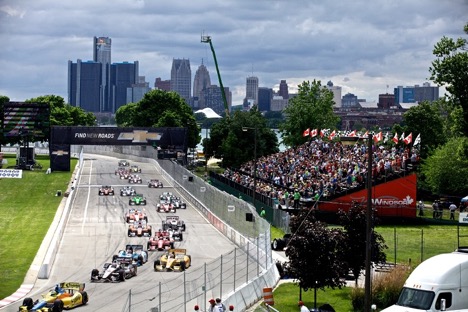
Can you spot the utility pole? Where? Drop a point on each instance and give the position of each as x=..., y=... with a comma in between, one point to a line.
x=368, y=293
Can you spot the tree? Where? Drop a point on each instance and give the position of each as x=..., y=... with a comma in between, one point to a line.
x=312, y=253
x=311, y=108
x=451, y=69
x=425, y=119
x=229, y=142
x=353, y=247
x=446, y=171
x=160, y=108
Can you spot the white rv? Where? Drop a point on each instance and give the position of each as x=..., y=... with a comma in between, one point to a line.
x=438, y=284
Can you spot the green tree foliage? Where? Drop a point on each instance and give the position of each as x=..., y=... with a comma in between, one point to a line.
x=446, y=171
x=160, y=108
x=426, y=120
x=311, y=108
x=312, y=253
x=62, y=114
x=353, y=246
x=451, y=69
x=229, y=142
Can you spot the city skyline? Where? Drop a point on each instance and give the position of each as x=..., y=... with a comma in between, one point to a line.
x=362, y=47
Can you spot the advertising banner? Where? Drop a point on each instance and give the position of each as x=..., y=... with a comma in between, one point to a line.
x=11, y=173
x=396, y=198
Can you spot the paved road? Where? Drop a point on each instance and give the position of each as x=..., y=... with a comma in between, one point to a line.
x=96, y=230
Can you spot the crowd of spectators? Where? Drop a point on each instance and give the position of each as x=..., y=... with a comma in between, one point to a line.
x=320, y=169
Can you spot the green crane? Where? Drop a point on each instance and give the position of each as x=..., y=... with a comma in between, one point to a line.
x=207, y=39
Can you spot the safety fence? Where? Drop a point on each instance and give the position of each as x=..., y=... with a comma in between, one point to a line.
x=238, y=276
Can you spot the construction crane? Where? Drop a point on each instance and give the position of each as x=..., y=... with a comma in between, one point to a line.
x=207, y=39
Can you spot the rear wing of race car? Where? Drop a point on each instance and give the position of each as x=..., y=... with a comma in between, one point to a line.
x=134, y=247
x=178, y=251
x=73, y=285
x=124, y=260
x=170, y=218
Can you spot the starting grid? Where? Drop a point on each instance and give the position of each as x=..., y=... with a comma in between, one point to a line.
x=11, y=173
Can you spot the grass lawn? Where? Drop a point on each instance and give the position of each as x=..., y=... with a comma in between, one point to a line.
x=27, y=208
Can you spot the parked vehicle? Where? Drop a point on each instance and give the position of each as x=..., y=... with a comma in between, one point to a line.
x=438, y=284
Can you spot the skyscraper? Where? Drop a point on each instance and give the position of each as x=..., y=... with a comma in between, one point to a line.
x=336, y=93
x=181, y=78
x=102, y=54
x=84, y=81
x=201, y=80
x=265, y=95
x=283, y=90
x=251, y=90
x=122, y=76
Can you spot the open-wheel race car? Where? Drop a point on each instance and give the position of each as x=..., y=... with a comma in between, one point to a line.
x=140, y=229
x=124, y=163
x=133, y=215
x=106, y=190
x=178, y=203
x=65, y=295
x=155, y=183
x=161, y=240
x=124, y=174
x=174, y=223
x=165, y=206
x=118, y=271
x=137, y=199
x=127, y=191
x=173, y=260
x=280, y=243
x=134, y=179
x=135, y=169
x=134, y=253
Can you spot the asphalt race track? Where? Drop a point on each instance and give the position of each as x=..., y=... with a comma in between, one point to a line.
x=96, y=230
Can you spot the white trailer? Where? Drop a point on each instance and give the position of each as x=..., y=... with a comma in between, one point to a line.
x=438, y=284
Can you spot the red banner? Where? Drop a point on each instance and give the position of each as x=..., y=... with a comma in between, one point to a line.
x=396, y=198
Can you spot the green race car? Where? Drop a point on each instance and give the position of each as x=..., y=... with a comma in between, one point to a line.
x=137, y=199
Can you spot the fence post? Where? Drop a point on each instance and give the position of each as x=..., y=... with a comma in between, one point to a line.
x=130, y=300
x=395, y=242
x=258, y=256
x=221, y=277
x=235, y=268
x=185, y=293
x=422, y=245
x=247, y=258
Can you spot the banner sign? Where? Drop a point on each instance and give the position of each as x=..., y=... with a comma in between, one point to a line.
x=11, y=173
x=166, y=138
x=463, y=217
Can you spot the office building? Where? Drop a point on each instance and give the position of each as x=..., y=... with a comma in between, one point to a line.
x=278, y=104
x=181, y=78
x=84, y=81
x=336, y=93
x=122, y=76
x=251, y=90
x=137, y=91
x=201, y=80
x=160, y=84
x=212, y=98
x=349, y=100
x=102, y=48
x=283, y=90
x=265, y=95
x=386, y=101
x=416, y=94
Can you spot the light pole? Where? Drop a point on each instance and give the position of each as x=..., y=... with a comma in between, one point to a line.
x=255, y=163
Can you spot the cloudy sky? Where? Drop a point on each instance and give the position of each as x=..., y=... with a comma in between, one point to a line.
x=360, y=45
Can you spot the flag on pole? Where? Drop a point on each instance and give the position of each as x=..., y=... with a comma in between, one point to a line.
x=417, y=140
x=387, y=135
x=306, y=132
x=366, y=134
x=313, y=133
x=408, y=139
x=322, y=133
x=352, y=134
x=395, y=138
x=377, y=137
x=332, y=135
x=402, y=138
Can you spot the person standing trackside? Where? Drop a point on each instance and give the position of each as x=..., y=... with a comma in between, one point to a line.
x=302, y=307
x=212, y=307
x=221, y=307
x=421, y=208
x=452, y=209
x=297, y=197
x=435, y=209
x=262, y=213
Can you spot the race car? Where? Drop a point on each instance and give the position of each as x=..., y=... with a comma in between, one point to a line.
x=119, y=170
x=106, y=190
x=166, y=196
x=123, y=163
x=134, y=178
x=127, y=191
x=173, y=222
x=280, y=243
x=135, y=253
x=173, y=260
x=124, y=174
x=65, y=295
x=137, y=199
x=135, y=215
x=135, y=169
x=118, y=271
x=155, y=183
x=139, y=228
x=165, y=206
x=160, y=241
x=178, y=203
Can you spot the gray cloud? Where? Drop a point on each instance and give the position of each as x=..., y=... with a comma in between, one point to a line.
x=361, y=45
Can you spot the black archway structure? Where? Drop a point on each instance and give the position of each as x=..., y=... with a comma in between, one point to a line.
x=169, y=141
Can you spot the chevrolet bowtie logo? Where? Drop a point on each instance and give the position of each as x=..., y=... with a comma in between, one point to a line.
x=60, y=153
x=139, y=136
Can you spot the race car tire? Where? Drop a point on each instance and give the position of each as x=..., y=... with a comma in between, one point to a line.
x=58, y=306
x=122, y=275
x=140, y=259
x=181, y=237
x=128, y=220
x=275, y=245
x=143, y=202
x=150, y=233
x=148, y=245
x=182, y=265
x=114, y=257
x=156, y=263
x=172, y=245
x=183, y=227
x=28, y=303
x=145, y=218
x=139, y=182
x=84, y=297
x=129, y=233
x=94, y=273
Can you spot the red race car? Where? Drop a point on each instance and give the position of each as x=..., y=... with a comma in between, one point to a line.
x=135, y=215
x=165, y=206
x=160, y=241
